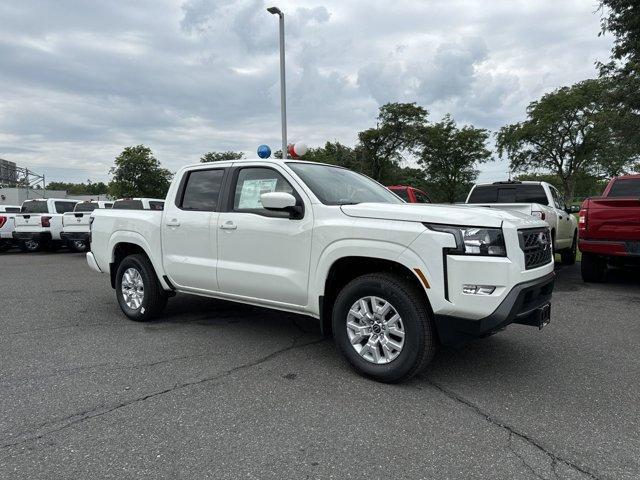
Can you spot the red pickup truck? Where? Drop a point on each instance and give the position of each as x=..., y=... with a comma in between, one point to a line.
x=609, y=228
x=410, y=194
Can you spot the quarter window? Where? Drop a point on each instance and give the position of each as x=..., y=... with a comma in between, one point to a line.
x=202, y=190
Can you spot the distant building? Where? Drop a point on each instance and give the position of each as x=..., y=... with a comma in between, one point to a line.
x=8, y=173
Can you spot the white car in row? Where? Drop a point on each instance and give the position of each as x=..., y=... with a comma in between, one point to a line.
x=39, y=224
x=389, y=280
x=75, y=225
x=7, y=225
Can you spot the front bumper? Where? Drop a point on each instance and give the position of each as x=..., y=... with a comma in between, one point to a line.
x=75, y=236
x=527, y=303
x=42, y=237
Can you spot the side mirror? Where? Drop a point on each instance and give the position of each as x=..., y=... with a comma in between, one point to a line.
x=277, y=200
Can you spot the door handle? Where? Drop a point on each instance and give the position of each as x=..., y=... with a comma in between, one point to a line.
x=229, y=225
x=173, y=223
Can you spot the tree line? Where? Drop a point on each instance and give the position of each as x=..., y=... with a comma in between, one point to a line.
x=574, y=137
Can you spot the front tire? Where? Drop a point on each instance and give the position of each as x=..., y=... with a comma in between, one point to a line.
x=593, y=268
x=139, y=294
x=382, y=326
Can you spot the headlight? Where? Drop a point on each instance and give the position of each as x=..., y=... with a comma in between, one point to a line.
x=475, y=240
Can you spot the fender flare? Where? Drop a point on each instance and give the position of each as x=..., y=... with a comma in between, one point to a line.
x=134, y=238
x=383, y=250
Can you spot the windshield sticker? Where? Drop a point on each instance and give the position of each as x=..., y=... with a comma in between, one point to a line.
x=252, y=189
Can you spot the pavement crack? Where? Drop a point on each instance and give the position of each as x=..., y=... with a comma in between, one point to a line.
x=512, y=431
x=83, y=416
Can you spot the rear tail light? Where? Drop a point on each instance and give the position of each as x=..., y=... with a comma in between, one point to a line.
x=3, y=220
x=582, y=219
x=45, y=222
x=538, y=214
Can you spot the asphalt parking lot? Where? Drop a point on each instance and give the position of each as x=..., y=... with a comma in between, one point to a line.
x=218, y=390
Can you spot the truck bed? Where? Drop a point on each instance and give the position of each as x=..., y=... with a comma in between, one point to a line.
x=613, y=219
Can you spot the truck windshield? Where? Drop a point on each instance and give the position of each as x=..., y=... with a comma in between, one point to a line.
x=35, y=206
x=513, y=193
x=625, y=187
x=339, y=186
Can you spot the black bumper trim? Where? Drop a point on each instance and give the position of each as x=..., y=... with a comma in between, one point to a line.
x=524, y=304
x=39, y=236
x=75, y=236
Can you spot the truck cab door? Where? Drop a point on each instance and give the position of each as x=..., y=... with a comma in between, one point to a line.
x=189, y=230
x=264, y=254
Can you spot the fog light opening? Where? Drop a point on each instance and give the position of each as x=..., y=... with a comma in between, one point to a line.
x=478, y=289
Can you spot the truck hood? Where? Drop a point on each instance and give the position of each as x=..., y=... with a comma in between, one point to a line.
x=444, y=214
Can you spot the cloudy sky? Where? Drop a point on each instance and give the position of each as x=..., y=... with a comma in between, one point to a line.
x=79, y=80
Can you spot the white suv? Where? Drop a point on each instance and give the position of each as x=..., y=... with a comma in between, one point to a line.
x=389, y=279
x=7, y=224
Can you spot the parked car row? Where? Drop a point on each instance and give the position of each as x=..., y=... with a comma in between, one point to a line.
x=54, y=222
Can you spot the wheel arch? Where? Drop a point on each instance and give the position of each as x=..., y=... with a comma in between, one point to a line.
x=346, y=268
x=129, y=244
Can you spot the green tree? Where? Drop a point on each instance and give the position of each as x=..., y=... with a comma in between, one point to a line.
x=220, y=156
x=570, y=132
x=89, y=188
x=398, y=128
x=449, y=156
x=622, y=19
x=137, y=173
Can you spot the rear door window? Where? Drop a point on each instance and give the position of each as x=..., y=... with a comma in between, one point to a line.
x=202, y=190
x=35, y=206
x=626, y=187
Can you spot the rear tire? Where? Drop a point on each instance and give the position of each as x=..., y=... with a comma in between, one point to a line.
x=568, y=256
x=139, y=294
x=593, y=268
x=418, y=337
x=30, y=246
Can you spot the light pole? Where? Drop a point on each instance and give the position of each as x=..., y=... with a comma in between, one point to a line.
x=283, y=88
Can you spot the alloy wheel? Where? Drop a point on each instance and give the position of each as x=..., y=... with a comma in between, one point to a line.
x=375, y=330
x=132, y=288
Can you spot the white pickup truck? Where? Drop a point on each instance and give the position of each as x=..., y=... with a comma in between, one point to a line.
x=389, y=279
x=7, y=224
x=40, y=223
x=540, y=199
x=75, y=225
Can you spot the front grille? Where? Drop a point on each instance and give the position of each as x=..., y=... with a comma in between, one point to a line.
x=536, y=245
